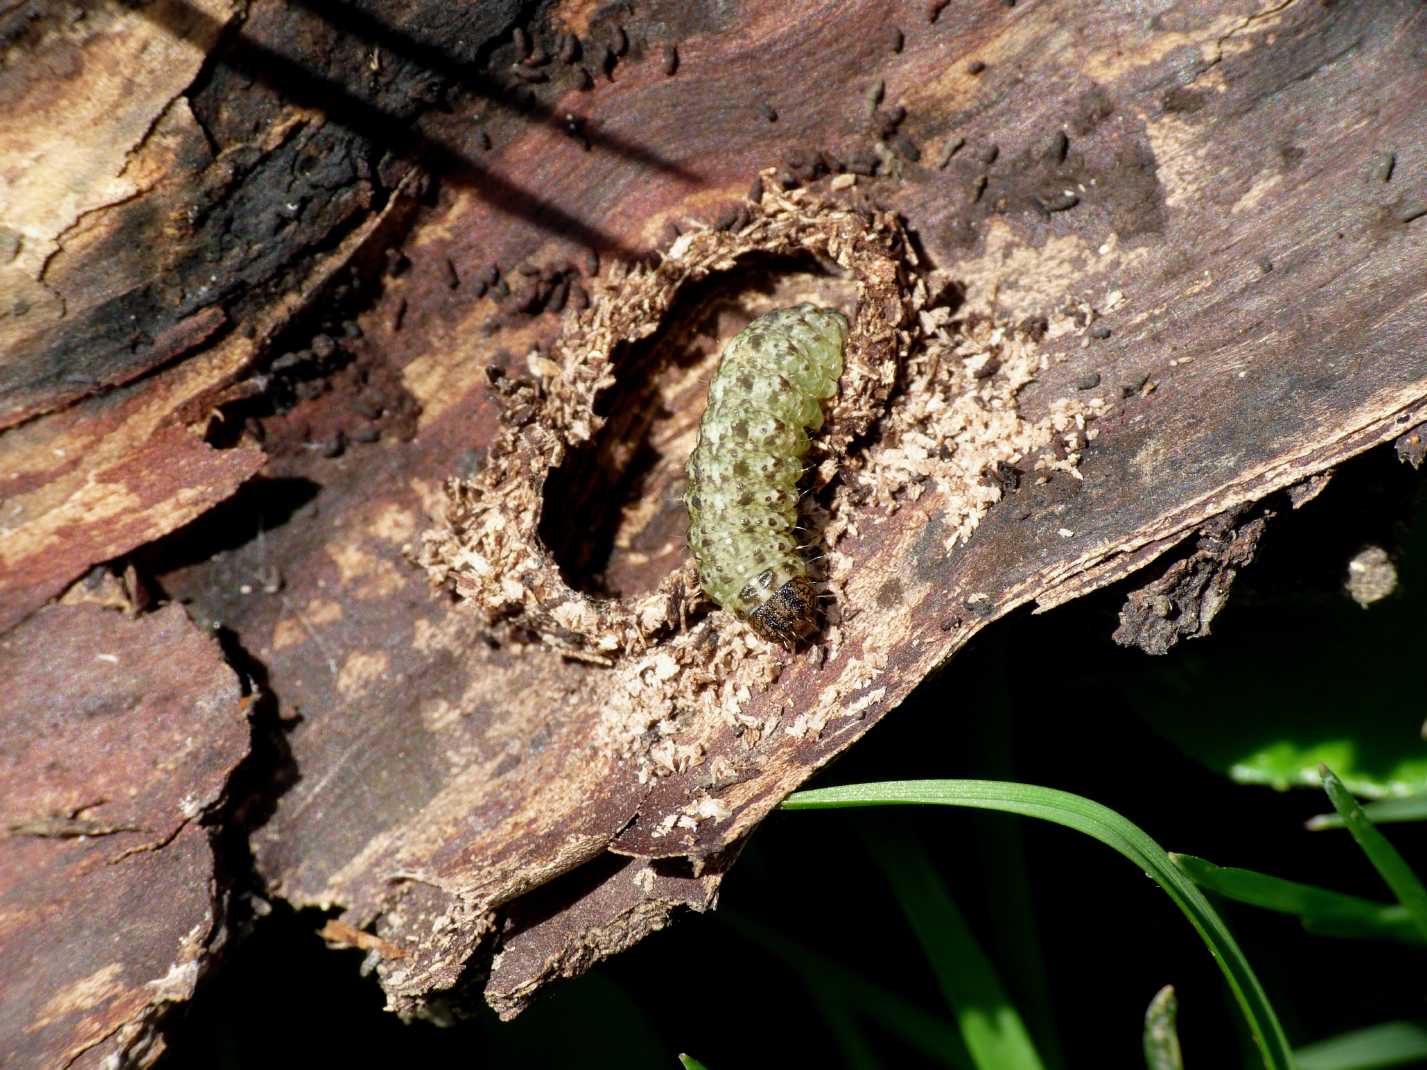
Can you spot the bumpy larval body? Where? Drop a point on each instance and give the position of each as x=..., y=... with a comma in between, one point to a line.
x=767, y=394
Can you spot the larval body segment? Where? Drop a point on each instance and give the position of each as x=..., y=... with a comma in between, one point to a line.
x=766, y=395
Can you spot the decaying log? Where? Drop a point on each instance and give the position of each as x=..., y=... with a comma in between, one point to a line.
x=1158, y=266
x=114, y=746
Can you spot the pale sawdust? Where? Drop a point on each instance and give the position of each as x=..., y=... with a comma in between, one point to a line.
x=486, y=547
x=913, y=417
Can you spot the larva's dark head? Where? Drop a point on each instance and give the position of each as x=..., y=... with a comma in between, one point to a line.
x=789, y=615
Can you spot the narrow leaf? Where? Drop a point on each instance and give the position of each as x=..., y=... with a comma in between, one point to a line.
x=1391, y=866
x=990, y=1026
x=1161, y=1035
x=857, y=1052
x=1319, y=909
x=934, y=1037
x=1377, y=1046
x=1382, y=812
x=1109, y=828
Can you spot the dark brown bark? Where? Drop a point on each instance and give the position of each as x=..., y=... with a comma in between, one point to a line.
x=296, y=243
x=114, y=745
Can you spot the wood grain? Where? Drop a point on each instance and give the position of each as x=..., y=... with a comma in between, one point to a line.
x=1202, y=185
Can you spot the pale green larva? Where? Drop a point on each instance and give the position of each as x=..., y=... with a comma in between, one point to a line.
x=768, y=392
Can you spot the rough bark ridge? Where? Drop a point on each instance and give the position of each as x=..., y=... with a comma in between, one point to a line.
x=249, y=323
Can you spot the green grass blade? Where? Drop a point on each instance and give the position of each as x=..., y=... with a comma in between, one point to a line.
x=1319, y=909
x=1011, y=924
x=994, y=1033
x=1382, y=812
x=688, y=1062
x=1161, y=1036
x=1391, y=866
x=857, y=1053
x=935, y=1038
x=1378, y=1046
x=1102, y=823
x=1394, y=924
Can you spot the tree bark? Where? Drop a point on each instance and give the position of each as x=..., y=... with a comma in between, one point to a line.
x=271, y=273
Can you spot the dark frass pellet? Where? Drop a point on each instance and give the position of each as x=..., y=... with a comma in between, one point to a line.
x=889, y=120
x=953, y=146
x=862, y=163
x=728, y=218
x=368, y=405
x=289, y=361
x=905, y=147
x=558, y=296
x=1059, y=200
x=875, y=92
